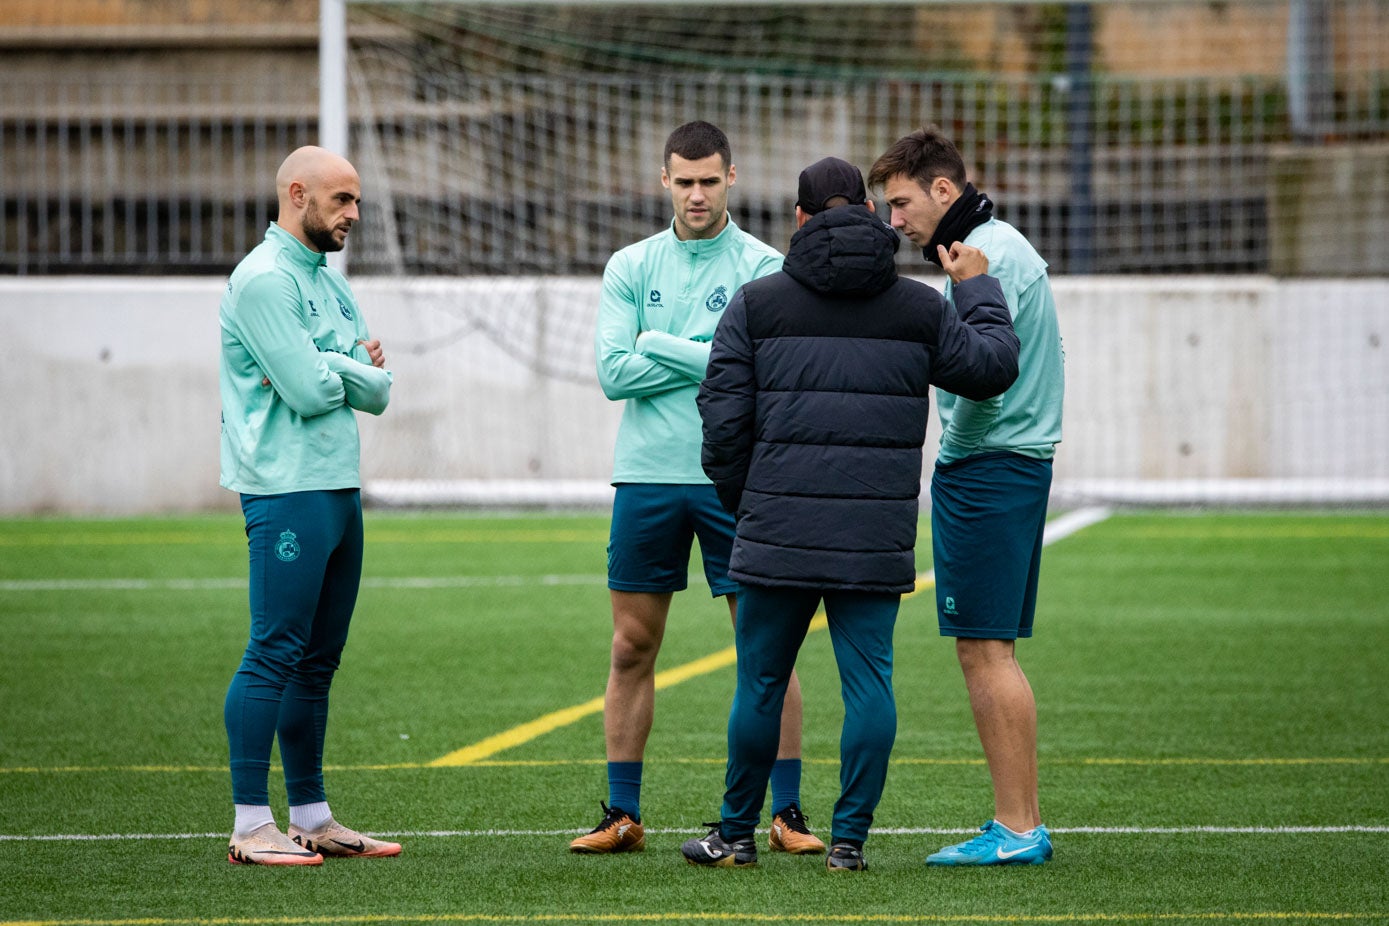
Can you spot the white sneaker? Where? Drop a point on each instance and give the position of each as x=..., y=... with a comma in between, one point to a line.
x=268, y=846
x=338, y=841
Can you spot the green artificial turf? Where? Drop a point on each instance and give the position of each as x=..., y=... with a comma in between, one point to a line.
x=1211, y=694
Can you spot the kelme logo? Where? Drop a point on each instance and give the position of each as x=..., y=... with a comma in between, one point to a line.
x=287, y=549
x=718, y=300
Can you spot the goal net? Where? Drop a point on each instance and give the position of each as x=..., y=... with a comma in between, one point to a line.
x=1168, y=159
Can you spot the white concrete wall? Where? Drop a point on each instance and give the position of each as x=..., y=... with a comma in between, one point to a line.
x=109, y=398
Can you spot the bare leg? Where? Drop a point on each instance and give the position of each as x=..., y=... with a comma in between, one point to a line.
x=629, y=704
x=790, y=747
x=1005, y=714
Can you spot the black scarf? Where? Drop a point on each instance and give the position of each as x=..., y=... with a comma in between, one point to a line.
x=965, y=214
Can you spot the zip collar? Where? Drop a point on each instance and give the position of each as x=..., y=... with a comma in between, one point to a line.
x=301, y=254
x=699, y=247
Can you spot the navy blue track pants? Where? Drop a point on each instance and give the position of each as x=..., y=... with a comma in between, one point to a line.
x=306, y=565
x=772, y=624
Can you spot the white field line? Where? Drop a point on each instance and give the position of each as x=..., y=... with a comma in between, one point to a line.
x=877, y=831
x=1065, y=525
x=185, y=585
x=1056, y=529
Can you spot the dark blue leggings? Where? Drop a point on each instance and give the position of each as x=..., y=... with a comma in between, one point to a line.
x=772, y=623
x=306, y=564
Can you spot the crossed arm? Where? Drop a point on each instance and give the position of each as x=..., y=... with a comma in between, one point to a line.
x=309, y=380
x=633, y=363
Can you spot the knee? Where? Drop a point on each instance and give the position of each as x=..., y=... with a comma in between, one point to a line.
x=316, y=674
x=634, y=651
x=872, y=730
x=764, y=695
x=979, y=655
x=268, y=665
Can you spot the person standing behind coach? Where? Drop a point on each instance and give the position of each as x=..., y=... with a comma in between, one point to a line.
x=662, y=298
x=296, y=361
x=814, y=413
x=990, y=489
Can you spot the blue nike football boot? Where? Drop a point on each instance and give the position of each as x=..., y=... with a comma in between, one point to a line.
x=997, y=845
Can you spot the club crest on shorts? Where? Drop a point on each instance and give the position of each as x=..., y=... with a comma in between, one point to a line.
x=287, y=548
x=718, y=300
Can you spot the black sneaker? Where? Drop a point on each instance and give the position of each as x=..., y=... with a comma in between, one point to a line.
x=845, y=856
x=715, y=851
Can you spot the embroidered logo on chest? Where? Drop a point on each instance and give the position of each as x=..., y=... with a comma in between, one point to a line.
x=718, y=300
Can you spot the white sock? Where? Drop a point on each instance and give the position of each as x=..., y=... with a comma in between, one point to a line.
x=1023, y=835
x=310, y=817
x=251, y=817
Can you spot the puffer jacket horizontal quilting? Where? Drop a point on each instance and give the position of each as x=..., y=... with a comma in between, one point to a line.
x=817, y=398
x=843, y=385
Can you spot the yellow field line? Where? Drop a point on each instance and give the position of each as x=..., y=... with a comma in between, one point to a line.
x=1083, y=761
x=722, y=916
x=526, y=732
x=1060, y=527
x=1345, y=760
x=553, y=721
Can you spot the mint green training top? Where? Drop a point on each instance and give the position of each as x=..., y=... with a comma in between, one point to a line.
x=662, y=298
x=287, y=316
x=1026, y=419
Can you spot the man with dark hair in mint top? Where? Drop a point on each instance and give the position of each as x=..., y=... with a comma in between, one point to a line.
x=297, y=363
x=662, y=299
x=990, y=488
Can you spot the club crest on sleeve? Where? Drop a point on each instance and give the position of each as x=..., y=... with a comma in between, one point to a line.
x=287, y=548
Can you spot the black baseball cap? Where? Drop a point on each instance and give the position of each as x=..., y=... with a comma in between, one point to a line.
x=826, y=179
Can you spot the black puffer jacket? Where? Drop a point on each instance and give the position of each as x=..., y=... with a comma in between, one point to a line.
x=816, y=400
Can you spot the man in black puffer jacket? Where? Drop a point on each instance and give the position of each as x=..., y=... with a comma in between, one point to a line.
x=814, y=412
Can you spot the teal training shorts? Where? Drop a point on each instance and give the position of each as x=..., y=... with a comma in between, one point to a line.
x=653, y=530
x=987, y=516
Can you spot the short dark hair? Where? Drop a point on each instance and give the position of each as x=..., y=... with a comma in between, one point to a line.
x=696, y=140
x=923, y=156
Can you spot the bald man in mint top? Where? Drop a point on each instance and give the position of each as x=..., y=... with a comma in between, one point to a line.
x=297, y=365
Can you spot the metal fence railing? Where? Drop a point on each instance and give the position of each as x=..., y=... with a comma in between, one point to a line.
x=508, y=175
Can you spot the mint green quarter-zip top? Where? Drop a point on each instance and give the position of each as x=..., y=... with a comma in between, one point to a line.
x=288, y=317
x=662, y=299
x=1026, y=419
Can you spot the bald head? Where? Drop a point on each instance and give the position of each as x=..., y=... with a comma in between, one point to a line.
x=310, y=165
x=319, y=192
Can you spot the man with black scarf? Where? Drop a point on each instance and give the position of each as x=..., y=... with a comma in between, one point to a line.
x=814, y=410
x=990, y=488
